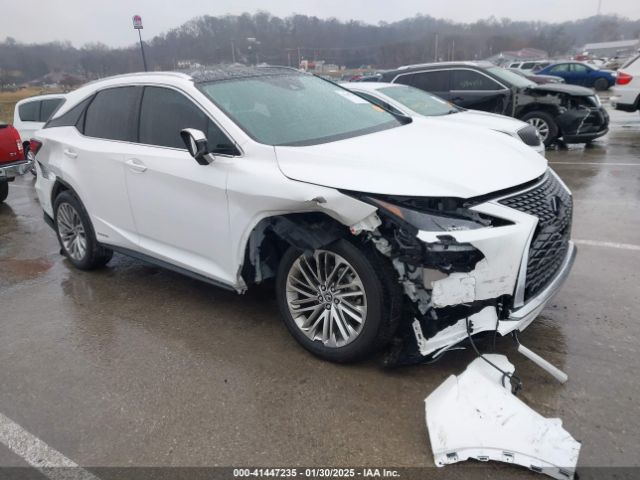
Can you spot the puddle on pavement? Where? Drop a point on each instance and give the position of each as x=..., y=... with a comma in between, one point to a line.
x=24, y=269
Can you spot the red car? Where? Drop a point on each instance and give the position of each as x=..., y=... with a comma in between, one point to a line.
x=12, y=158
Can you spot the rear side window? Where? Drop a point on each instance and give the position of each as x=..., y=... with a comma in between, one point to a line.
x=29, y=111
x=165, y=112
x=471, y=80
x=437, y=81
x=562, y=68
x=112, y=114
x=48, y=108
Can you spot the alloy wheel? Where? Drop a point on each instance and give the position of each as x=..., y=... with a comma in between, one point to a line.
x=326, y=298
x=541, y=126
x=71, y=231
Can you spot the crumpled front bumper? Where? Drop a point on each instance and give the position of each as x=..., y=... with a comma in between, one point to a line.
x=496, y=285
x=14, y=169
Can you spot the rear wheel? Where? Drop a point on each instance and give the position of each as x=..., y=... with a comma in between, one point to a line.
x=601, y=84
x=76, y=235
x=338, y=302
x=545, y=124
x=4, y=190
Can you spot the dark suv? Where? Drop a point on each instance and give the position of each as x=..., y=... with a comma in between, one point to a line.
x=558, y=111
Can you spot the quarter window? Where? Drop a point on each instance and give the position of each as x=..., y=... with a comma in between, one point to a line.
x=470, y=80
x=112, y=114
x=28, y=112
x=165, y=112
x=437, y=81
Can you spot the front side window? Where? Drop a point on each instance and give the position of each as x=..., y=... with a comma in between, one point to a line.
x=579, y=68
x=29, y=111
x=471, y=80
x=510, y=78
x=165, y=112
x=112, y=114
x=419, y=101
x=436, y=81
x=296, y=109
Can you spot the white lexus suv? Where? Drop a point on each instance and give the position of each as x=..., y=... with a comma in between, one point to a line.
x=375, y=227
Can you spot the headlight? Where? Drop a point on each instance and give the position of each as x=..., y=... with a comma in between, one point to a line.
x=434, y=214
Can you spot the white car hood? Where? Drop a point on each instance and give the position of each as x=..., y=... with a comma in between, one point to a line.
x=425, y=158
x=493, y=121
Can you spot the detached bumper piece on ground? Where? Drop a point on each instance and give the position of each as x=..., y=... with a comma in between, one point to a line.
x=475, y=415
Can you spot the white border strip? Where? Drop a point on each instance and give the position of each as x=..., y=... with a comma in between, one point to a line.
x=595, y=243
x=38, y=454
x=604, y=164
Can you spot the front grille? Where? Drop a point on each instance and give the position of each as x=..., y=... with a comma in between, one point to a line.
x=553, y=205
x=529, y=135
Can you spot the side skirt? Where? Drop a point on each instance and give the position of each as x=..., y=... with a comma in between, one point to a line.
x=169, y=266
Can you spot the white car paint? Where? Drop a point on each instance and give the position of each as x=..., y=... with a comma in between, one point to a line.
x=159, y=202
x=476, y=118
x=26, y=128
x=627, y=97
x=475, y=415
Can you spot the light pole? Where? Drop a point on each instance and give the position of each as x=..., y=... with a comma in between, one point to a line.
x=137, y=25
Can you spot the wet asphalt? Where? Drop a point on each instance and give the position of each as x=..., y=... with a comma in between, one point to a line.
x=137, y=366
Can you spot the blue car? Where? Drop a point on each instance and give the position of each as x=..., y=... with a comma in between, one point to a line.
x=577, y=73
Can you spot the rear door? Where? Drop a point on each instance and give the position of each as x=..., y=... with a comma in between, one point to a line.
x=562, y=70
x=93, y=156
x=179, y=207
x=475, y=90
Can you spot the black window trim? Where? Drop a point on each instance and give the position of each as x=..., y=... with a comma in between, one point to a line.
x=450, y=69
x=137, y=135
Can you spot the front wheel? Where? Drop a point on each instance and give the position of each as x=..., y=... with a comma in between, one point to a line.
x=545, y=124
x=337, y=302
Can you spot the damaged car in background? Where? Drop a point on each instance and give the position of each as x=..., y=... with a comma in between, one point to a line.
x=380, y=231
x=568, y=112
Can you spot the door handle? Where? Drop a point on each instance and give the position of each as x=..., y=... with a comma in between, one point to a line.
x=70, y=153
x=136, y=165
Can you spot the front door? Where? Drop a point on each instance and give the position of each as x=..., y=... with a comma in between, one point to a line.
x=179, y=207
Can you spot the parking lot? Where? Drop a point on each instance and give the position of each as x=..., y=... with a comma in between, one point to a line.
x=135, y=365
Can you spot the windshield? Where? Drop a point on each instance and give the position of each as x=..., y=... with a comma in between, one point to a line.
x=296, y=109
x=419, y=101
x=510, y=77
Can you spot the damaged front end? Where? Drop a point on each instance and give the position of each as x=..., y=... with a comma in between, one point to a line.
x=468, y=266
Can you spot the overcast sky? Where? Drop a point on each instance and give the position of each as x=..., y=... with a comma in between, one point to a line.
x=83, y=21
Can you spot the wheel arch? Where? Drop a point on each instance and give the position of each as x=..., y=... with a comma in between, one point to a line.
x=272, y=236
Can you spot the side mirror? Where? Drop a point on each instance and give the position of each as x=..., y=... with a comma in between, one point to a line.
x=196, y=142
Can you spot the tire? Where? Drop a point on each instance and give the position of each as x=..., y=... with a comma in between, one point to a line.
x=544, y=123
x=378, y=303
x=601, y=84
x=76, y=235
x=4, y=190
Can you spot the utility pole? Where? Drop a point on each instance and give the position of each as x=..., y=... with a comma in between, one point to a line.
x=233, y=52
x=137, y=25
x=599, y=7
x=435, y=51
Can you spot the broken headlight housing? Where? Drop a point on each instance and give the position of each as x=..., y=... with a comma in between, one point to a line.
x=434, y=214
